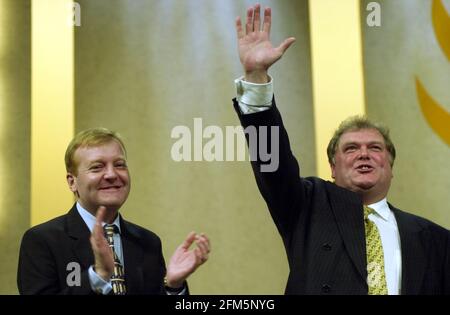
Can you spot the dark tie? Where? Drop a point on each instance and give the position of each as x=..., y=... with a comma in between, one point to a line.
x=376, y=277
x=118, y=276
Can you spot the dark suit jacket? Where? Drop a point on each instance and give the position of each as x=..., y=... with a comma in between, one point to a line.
x=48, y=248
x=322, y=228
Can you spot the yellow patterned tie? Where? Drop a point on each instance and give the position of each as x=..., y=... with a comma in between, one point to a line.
x=118, y=276
x=376, y=277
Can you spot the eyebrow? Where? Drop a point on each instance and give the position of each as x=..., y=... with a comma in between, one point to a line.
x=122, y=159
x=359, y=143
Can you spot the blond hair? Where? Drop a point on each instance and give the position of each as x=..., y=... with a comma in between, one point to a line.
x=89, y=138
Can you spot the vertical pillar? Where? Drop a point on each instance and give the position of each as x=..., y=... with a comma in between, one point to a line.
x=337, y=68
x=52, y=111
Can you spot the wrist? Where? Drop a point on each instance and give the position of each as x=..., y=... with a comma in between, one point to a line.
x=259, y=77
x=102, y=273
x=173, y=285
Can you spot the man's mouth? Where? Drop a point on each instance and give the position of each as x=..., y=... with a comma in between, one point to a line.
x=364, y=168
x=110, y=188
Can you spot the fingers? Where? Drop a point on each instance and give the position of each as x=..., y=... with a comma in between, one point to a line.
x=203, y=248
x=285, y=45
x=200, y=259
x=188, y=241
x=256, y=18
x=267, y=20
x=202, y=242
x=239, y=30
x=103, y=255
x=101, y=214
x=253, y=21
x=100, y=217
x=249, y=21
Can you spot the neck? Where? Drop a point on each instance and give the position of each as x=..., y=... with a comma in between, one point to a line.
x=368, y=198
x=110, y=213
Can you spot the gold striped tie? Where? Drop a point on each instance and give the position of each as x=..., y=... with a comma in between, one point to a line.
x=118, y=276
x=376, y=277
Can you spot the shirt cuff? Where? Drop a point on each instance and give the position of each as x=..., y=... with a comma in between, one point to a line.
x=182, y=292
x=98, y=285
x=253, y=97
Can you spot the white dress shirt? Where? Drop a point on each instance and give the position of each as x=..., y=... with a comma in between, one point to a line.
x=253, y=98
x=384, y=219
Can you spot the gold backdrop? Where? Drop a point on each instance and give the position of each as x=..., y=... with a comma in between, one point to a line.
x=143, y=67
x=15, y=98
x=406, y=48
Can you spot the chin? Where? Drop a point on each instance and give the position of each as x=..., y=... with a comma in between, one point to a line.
x=363, y=186
x=112, y=203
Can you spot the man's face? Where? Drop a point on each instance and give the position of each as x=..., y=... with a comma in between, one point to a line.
x=102, y=178
x=362, y=163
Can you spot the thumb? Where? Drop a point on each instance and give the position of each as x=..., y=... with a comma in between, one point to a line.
x=100, y=215
x=285, y=44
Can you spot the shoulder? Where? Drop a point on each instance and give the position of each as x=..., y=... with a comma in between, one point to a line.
x=45, y=236
x=56, y=225
x=419, y=223
x=316, y=183
x=321, y=187
x=319, y=184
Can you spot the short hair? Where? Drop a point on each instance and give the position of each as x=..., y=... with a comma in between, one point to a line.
x=355, y=123
x=89, y=138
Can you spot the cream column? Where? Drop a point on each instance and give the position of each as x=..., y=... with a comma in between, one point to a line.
x=337, y=69
x=52, y=101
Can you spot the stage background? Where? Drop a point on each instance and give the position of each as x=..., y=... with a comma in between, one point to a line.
x=143, y=67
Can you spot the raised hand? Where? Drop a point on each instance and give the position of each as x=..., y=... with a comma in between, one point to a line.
x=104, y=258
x=255, y=49
x=184, y=261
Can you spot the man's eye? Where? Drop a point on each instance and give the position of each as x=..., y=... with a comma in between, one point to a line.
x=350, y=149
x=95, y=168
x=121, y=165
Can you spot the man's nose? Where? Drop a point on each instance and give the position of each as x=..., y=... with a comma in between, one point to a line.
x=110, y=172
x=363, y=152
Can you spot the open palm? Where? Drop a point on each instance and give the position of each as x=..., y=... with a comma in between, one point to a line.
x=185, y=261
x=255, y=49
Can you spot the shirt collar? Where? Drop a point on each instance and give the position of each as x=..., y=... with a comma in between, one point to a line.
x=90, y=220
x=382, y=209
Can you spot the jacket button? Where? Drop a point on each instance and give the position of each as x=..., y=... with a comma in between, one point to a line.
x=326, y=246
x=326, y=288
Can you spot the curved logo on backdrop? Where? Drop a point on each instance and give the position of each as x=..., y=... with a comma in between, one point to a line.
x=435, y=114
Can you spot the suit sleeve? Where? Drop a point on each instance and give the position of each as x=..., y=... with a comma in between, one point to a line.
x=283, y=189
x=447, y=267
x=38, y=273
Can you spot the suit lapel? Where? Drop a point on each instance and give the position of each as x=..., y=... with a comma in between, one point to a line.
x=348, y=212
x=80, y=234
x=414, y=254
x=133, y=255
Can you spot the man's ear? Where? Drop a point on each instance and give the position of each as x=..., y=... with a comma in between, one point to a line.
x=72, y=181
x=333, y=171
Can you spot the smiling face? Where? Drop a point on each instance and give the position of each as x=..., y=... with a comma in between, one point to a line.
x=362, y=164
x=101, y=178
